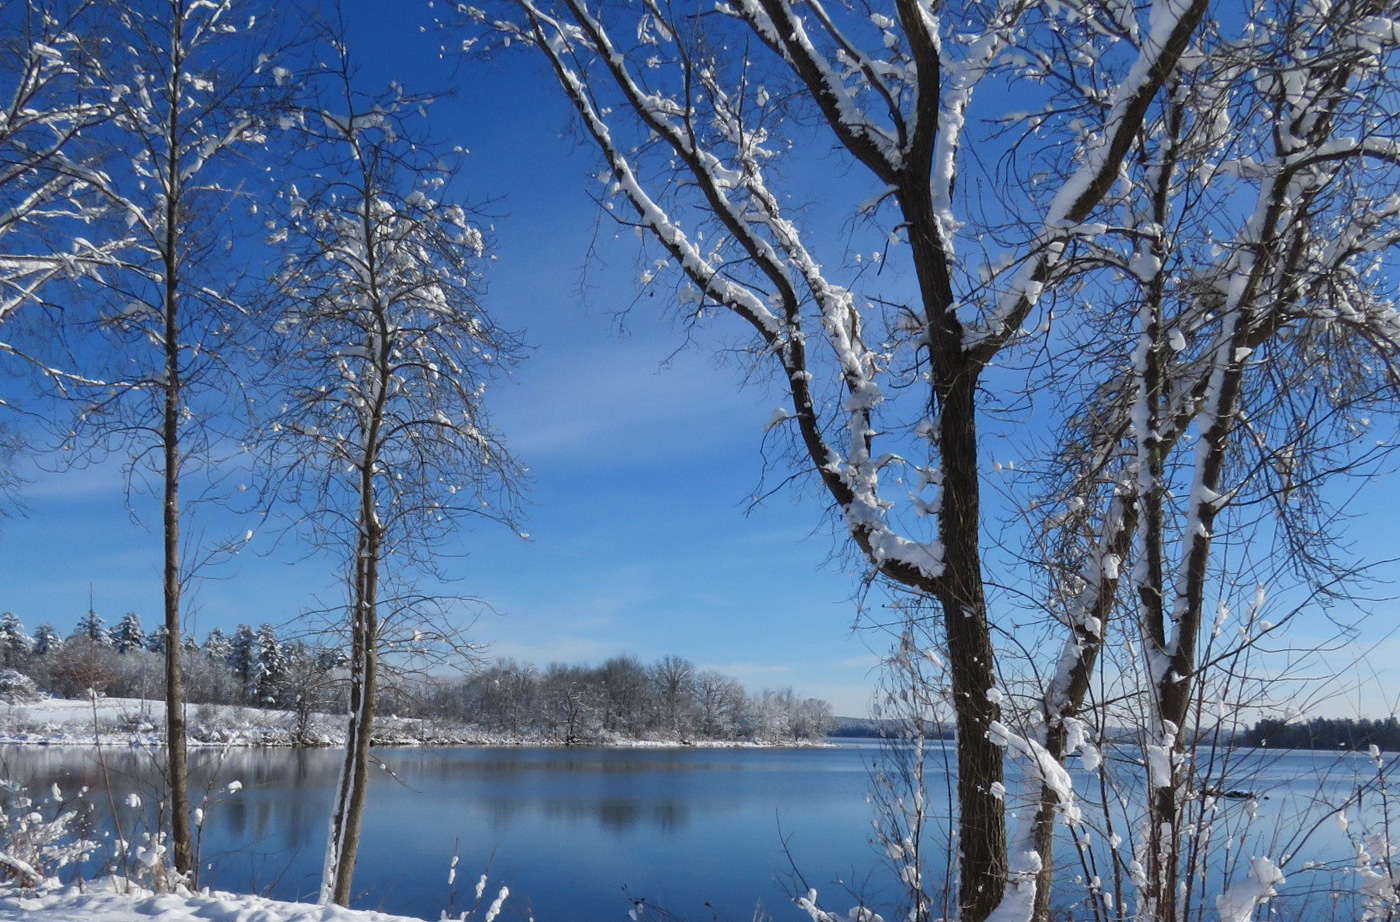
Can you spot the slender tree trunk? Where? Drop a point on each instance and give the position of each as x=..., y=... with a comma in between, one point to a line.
x=1064, y=698
x=181, y=838
x=177, y=767
x=354, y=779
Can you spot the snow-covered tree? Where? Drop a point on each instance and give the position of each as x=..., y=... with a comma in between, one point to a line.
x=90, y=625
x=243, y=660
x=270, y=668
x=1041, y=202
x=128, y=635
x=674, y=681
x=155, y=640
x=218, y=647
x=310, y=683
x=720, y=702
x=1252, y=354
x=15, y=644
x=82, y=665
x=384, y=357
x=573, y=703
x=622, y=684
x=46, y=639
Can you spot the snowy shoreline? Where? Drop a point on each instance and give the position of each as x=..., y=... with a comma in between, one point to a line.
x=102, y=901
x=136, y=723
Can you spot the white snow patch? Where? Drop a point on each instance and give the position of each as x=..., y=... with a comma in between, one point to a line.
x=1238, y=901
x=100, y=904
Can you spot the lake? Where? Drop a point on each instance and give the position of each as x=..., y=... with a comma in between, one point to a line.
x=700, y=833
x=565, y=829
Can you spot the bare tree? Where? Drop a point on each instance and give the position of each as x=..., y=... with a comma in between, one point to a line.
x=1263, y=340
x=935, y=318
x=693, y=133
x=720, y=702
x=384, y=361
x=187, y=88
x=674, y=678
x=622, y=685
x=573, y=703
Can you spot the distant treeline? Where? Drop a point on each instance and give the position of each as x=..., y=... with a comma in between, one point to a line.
x=864, y=728
x=622, y=698
x=1325, y=733
x=625, y=698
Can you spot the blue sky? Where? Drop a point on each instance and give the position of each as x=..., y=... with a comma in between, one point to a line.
x=642, y=458
x=644, y=453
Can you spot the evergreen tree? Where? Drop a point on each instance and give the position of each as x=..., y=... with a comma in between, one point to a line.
x=90, y=626
x=243, y=658
x=155, y=641
x=218, y=647
x=14, y=643
x=271, y=666
x=127, y=635
x=46, y=639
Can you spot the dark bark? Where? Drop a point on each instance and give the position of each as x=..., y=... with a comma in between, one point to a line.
x=176, y=764
x=981, y=814
x=177, y=767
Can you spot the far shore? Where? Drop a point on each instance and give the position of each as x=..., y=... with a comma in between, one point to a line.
x=136, y=722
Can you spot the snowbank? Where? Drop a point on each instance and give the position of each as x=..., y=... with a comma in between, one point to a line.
x=99, y=902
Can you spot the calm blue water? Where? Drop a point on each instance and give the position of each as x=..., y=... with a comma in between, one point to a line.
x=703, y=834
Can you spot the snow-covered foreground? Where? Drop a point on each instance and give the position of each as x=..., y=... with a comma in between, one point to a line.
x=99, y=902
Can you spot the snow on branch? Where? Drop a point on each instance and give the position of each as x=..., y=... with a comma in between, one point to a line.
x=1172, y=23
x=779, y=26
x=715, y=142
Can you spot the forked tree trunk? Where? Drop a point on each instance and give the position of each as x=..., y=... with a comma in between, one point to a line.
x=352, y=791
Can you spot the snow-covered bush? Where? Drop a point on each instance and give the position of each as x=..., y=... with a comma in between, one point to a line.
x=16, y=687
x=36, y=838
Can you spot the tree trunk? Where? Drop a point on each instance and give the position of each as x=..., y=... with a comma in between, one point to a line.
x=981, y=820
x=353, y=790
x=180, y=836
x=176, y=768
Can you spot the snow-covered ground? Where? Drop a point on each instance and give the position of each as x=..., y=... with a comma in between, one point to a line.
x=100, y=902
x=56, y=721
x=140, y=722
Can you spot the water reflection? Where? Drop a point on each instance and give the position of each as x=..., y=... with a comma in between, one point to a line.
x=703, y=833
x=621, y=814
x=565, y=829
